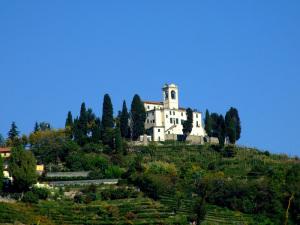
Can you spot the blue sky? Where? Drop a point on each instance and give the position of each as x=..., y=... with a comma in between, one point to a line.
x=246, y=54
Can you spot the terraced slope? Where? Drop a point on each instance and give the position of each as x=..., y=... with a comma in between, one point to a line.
x=127, y=211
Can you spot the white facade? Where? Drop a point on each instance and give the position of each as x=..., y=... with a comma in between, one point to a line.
x=164, y=119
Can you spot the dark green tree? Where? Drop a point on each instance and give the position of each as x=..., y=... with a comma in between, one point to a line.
x=13, y=133
x=96, y=131
x=118, y=140
x=188, y=124
x=107, y=122
x=208, y=124
x=233, y=125
x=22, y=167
x=69, y=120
x=81, y=126
x=124, y=117
x=221, y=130
x=107, y=113
x=138, y=117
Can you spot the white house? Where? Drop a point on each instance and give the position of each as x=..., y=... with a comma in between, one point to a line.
x=164, y=119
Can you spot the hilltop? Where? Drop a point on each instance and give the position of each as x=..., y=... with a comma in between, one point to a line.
x=176, y=183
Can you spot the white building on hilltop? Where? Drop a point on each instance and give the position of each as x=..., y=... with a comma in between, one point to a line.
x=164, y=119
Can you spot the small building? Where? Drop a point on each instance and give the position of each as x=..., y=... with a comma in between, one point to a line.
x=164, y=120
x=5, y=152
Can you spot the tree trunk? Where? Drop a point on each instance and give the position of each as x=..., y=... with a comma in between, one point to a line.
x=288, y=208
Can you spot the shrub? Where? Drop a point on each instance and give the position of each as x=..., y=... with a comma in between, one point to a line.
x=30, y=197
x=42, y=193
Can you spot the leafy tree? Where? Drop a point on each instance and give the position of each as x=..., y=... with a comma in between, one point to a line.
x=52, y=146
x=13, y=133
x=69, y=120
x=22, y=167
x=188, y=124
x=124, y=117
x=233, y=125
x=208, y=124
x=118, y=140
x=138, y=117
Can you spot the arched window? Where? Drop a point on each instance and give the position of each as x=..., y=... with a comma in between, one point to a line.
x=166, y=94
x=173, y=94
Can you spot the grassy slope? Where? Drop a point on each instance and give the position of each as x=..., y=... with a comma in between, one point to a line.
x=145, y=210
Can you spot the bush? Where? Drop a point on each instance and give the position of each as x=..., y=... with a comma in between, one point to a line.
x=30, y=197
x=41, y=193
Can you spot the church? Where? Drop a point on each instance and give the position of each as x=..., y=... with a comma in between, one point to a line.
x=164, y=119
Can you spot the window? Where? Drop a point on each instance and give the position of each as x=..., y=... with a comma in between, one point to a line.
x=174, y=113
x=170, y=112
x=166, y=94
x=171, y=120
x=173, y=94
x=196, y=115
x=158, y=130
x=148, y=121
x=177, y=121
x=182, y=114
x=167, y=116
x=197, y=124
x=148, y=107
x=168, y=132
x=153, y=121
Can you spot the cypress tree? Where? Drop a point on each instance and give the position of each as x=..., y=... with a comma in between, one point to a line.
x=221, y=130
x=233, y=125
x=107, y=122
x=138, y=117
x=208, y=124
x=80, y=126
x=107, y=113
x=69, y=120
x=124, y=117
x=188, y=124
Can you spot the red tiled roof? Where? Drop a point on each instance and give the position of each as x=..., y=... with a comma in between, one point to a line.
x=153, y=102
x=4, y=150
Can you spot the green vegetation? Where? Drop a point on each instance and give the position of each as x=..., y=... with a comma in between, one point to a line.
x=161, y=183
x=22, y=168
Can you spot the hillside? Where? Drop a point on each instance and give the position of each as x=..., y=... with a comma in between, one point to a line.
x=162, y=184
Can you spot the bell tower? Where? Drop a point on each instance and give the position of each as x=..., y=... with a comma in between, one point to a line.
x=170, y=96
